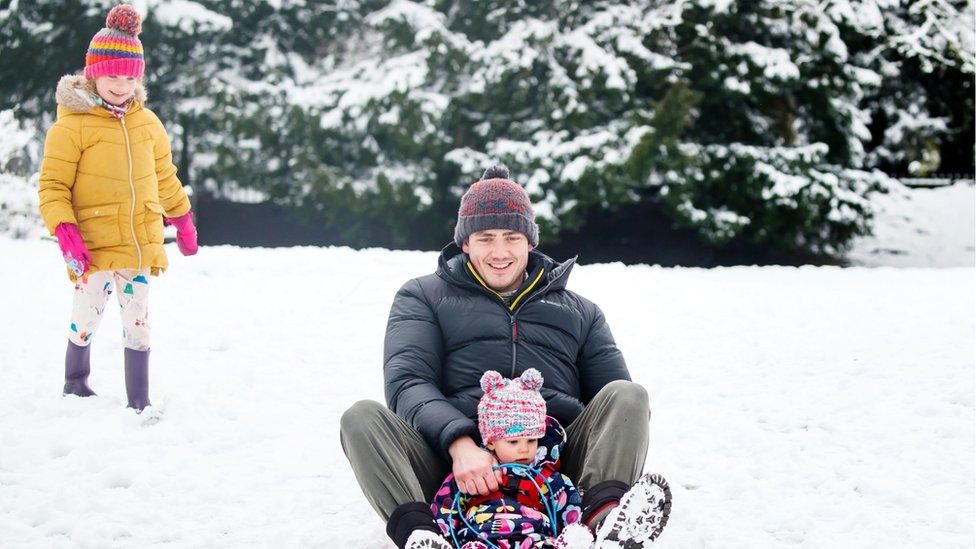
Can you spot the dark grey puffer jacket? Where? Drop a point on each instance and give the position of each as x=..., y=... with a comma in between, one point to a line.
x=447, y=329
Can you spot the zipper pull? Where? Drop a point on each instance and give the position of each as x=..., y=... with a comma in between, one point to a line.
x=514, y=330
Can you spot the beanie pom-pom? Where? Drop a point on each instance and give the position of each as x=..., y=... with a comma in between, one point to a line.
x=498, y=171
x=531, y=379
x=491, y=380
x=124, y=18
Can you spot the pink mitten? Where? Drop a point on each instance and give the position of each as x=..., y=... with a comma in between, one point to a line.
x=186, y=233
x=73, y=248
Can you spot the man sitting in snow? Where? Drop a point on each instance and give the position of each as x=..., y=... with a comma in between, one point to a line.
x=494, y=303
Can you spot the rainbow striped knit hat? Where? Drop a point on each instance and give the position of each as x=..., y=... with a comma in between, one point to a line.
x=116, y=50
x=511, y=408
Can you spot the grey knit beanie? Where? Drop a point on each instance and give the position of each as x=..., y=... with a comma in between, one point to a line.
x=496, y=202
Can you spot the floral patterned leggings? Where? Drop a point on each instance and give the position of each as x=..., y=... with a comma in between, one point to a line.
x=91, y=296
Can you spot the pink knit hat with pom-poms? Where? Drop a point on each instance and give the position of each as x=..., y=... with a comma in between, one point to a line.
x=511, y=408
x=116, y=50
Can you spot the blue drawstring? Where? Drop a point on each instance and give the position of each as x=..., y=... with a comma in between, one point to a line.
x=548, y=501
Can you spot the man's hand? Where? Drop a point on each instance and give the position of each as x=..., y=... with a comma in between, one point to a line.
x=472, y=468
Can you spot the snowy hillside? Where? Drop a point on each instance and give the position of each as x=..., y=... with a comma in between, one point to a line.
x=810, y=407
x=921, y=228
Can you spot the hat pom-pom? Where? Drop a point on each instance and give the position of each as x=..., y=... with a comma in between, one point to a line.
x=124, y=18
x=531, y=379
x=491, y=380
x=498, y=171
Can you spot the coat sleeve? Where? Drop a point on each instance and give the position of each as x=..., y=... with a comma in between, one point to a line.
x=413, y=357
x=171, y=194
x=600, y=361
x=62, y=151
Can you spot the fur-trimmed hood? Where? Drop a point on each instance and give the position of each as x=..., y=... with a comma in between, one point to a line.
x=73, y=92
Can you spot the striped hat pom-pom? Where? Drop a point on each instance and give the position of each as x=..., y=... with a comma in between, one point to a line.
x=124, y=18
x=531, y=379
x=491, y=381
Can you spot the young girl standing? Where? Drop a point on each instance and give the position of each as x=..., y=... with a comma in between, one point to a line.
x=107, y=180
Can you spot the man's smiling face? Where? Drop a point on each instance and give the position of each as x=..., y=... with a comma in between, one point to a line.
x=500, y=256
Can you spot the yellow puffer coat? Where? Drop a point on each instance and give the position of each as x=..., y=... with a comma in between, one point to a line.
x=114, y=179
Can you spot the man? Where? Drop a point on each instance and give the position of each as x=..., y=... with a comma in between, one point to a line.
x=494, y=303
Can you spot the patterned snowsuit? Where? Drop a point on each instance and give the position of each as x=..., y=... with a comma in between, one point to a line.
x=514, y=517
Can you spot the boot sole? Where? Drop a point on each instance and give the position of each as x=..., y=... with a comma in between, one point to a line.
x=641, y=516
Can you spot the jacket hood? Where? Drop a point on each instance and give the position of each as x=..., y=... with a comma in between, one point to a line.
x=550, y=445
x=73, y=92
x=451, y=266
x=550, y=448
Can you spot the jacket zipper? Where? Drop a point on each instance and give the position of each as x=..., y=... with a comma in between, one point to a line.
x=512, y=314
x=132, y=188
x=514, y=322
x=514, y=343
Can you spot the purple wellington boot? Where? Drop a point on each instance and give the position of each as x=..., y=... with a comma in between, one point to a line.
x=77, y=366
x=137, y=378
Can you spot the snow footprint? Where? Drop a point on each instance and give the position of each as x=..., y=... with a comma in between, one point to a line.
x=59, y=450
x=117, y=478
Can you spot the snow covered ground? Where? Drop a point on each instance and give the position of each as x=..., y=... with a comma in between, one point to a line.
x=792, y=407
x=921, y=228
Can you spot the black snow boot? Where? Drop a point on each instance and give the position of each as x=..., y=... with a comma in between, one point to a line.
x=600, y=499
x=412, y=526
